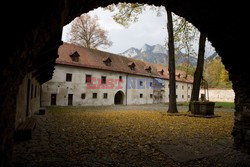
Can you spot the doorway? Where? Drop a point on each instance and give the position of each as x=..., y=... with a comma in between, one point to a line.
x=53, y=99
x=70, y=99
x=119, y=97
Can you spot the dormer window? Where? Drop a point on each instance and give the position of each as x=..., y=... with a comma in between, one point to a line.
x=161, y=71
x=107, y=61
x=75, y=57
x=178, y=76
x=148, y=69
x=131, y=65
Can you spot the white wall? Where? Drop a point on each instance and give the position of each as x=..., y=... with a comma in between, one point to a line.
x=220, y=95
x=58, y=85
x=78, y=85
x=21, y=101
x=134, y=90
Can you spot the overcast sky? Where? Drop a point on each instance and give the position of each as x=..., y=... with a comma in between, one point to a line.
x=149, y=29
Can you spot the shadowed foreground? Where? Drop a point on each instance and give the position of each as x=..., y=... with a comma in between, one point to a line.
x=129, y=136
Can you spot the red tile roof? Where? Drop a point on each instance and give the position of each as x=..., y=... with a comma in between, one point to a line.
x=91, y=58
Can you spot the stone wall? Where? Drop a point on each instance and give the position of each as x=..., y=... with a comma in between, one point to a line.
x=224, y=28
x=220, y=95
x=22, y=110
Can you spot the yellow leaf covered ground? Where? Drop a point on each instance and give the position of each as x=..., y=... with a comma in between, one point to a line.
x=130, y=136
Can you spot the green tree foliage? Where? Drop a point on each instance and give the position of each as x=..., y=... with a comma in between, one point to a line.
x=216, y=74
x=185, y=67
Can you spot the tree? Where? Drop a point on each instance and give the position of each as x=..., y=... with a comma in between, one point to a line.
x=198, y=71
x=184, y=35
x=86, y=31
x=216, y=75
x=128, y=13
x=172, y=108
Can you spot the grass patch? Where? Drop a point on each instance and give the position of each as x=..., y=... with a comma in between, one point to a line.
x=217, y=104
x=224, y=104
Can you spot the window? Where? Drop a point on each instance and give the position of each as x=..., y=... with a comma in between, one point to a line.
x=182, y=87
x=141, y=95
x=94, y=95
x=31, y=96
x=68, y=77
x=105, y=95
x=176, y=86
x=103, y=80
x=107, y=61
x=183, y=96
x=88, y=78
x=148, y=69
x=151, y=84
x=176, y=96
x=141, y=83
x=189, y=87
x=131, y=65
x=160, y=96
x=35, y=90
x=161, y=71
x=151, y=96
x=83, y=96
x=75, y=57
x=120, y=78
x=189, y=96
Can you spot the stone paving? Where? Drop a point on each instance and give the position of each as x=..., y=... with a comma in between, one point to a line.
x=128, y=136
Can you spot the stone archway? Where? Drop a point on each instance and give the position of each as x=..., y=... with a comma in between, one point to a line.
x=119, y=98
x=33, y=45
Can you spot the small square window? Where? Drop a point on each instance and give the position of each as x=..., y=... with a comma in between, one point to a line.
x=182, y=87
x=189, y=96
x=94, y=95
x=83, y=96
x=68, y=77
x=151, y=84
x=88, y=78
x=141, y=95
x=176, y=86
x=141, y=83
x=151, y=96
x=176, y=96
x=105, y=95
x=182, y=96
x=120, y=78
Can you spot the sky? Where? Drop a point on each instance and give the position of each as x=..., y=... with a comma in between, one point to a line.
x=149, y=29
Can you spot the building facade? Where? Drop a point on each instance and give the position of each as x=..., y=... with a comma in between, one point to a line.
x=89, y=77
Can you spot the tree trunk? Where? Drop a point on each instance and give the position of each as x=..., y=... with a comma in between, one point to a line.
x=198, y=71
x=171, y=66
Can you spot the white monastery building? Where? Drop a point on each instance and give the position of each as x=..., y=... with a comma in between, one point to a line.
x=90, y=77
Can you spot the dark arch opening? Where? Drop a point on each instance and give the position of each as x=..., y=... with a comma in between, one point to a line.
x=33, y=45
x=119, y=98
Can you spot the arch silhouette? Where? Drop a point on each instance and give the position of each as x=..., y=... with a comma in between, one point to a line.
x=34, y=44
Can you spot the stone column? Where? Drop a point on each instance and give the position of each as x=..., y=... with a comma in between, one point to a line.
x=241, y=130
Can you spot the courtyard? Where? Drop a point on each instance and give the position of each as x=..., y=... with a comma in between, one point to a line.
x=138, y=135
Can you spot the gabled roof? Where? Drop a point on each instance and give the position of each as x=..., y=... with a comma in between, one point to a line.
x=91, y=58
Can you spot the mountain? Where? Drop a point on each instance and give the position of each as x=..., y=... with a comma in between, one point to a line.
x=156, y=54
x=131, y=52
x=212, y=57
